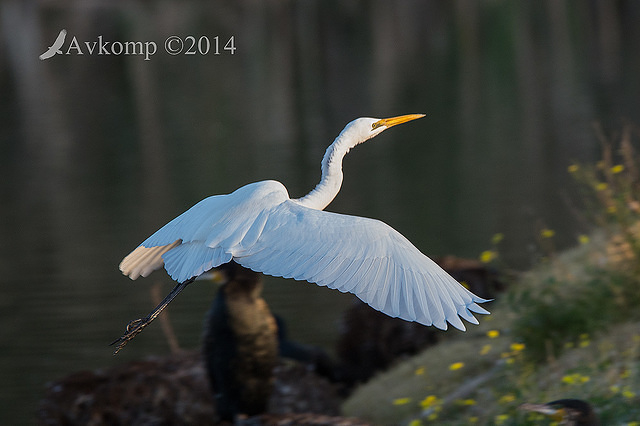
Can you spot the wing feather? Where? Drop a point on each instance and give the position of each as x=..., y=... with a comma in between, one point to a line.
x=359, y=255
x=190, y=259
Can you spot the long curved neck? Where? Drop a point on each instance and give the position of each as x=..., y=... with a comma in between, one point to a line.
x=331, y=179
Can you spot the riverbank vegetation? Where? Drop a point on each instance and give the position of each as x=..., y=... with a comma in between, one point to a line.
x=568, y=328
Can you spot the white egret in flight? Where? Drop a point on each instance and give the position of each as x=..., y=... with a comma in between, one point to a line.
x=261, y=228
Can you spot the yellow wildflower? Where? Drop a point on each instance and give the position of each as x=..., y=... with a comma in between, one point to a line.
x=517, y=347
x=501, y=418
x=485, y=349
x=573, y=168
x=456, y=366
x=584, y=340
x=415, y=422
x=401, y=401
x=419, y=371
x=547, y=233
x=497, y=238
x=492, y=334
x=429, y=401
x=601, y=186
x=583, y=239
x=505, y=399
x=617, y=169
x=488, y=256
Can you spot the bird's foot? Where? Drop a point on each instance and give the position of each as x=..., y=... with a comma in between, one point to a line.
x=136, y=326
x=133, y=328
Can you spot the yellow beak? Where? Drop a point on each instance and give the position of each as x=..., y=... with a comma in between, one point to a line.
x=389, y=122
x=213, y=275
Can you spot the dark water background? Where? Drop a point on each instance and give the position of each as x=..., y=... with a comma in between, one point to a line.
x=98, y=151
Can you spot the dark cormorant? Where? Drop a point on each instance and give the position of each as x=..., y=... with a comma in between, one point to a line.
x=571, y=412
x=240, y=345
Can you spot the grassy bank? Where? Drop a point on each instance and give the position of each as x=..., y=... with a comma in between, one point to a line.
x=569, y=328
x=564, y=330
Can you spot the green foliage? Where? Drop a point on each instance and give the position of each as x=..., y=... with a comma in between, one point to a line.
x=566, y=329
x=610, y=189
x=560, y=306
x=551, y=315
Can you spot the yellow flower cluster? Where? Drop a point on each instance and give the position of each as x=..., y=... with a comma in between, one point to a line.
x=430, y=402
x=491, y=334
x=626, y=391
x=584, y=340
x=516, y=349
x=575, y=379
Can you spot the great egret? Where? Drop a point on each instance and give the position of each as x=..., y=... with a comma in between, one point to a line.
x=262, y=229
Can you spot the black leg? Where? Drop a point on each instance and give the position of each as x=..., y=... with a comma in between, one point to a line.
x=136, y=326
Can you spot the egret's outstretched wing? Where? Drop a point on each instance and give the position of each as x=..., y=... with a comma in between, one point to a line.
x=362, y=256
x=262, y=229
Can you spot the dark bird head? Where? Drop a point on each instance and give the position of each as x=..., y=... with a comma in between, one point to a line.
x=571, y=412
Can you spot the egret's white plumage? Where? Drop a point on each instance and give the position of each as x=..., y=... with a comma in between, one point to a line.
x=261, y=228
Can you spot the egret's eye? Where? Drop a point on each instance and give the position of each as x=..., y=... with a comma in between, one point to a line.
x=376, y=125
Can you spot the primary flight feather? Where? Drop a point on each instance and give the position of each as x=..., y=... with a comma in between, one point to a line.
x=260, y=227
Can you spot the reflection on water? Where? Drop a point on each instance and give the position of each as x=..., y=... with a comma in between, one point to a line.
x=100, y=150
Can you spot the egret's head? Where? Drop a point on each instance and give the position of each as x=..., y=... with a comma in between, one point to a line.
x=365, y=128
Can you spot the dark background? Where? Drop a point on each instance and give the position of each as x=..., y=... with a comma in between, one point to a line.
x=99, y=151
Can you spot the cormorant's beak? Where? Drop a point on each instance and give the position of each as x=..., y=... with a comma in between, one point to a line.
x=214, y=275
x=553, y=413
x=390, y=122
